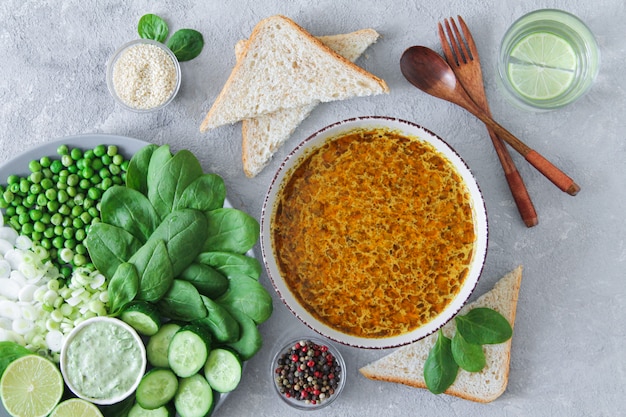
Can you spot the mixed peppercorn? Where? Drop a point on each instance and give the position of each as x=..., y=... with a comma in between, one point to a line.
x=308, y=372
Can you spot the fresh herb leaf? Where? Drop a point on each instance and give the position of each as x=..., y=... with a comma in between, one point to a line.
x=9, y=351
x=205, y=193
x=152, y=27
x=186, y=44
x=123, y=287
x=130, y=210
x=207, y=280
x=220, y=322
x=483, y=326
x=137, y=173
x=231, y=264
x=440, y=369
x=467, y=355
x=231, y=230
x=154, y=269
x=248, y=296
x=182, y=302
x=109, y=246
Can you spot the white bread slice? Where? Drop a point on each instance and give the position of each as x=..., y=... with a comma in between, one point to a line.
x=284, y=67
x=264, y=135
x=406, y=364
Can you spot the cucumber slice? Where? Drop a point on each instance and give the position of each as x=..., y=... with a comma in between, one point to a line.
x=194, y=397
x=223, y=370
x=164, y=411
x=159, y=343
x=157, y=388
x=143, y=317
x=189, y=350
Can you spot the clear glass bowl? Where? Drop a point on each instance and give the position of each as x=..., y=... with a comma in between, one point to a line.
x=151, y=91
x=318, y=397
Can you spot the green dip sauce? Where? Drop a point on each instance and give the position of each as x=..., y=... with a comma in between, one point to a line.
x=103, y=360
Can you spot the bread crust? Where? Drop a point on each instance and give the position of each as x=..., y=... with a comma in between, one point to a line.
x=217, y=107
x=384, y=369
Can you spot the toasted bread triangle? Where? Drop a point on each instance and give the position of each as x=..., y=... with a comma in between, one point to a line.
x=283, y=66
x=262, y=136
x=406, y=364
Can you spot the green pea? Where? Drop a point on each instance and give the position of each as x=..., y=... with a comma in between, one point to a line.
x=76, y=154
x=78, y=223
x=53, y=205
x=65, y=210
x=106, y=159
x=47, y=184
x=62, y=196
x=81, y=249
x=14, y=188
x=63, y=150
x=51, y=194
x=95, y=179
x=84, y=184
x=67, y=161
x=27, y=228
x=118, y=159
x=76, y=211
x=20, y=209
x=68, y=233
x=97, y=164
x=45, y=161
x=70, y=243
x=24, y=185
x=3, y=203
x=58, y=230
x=23, y=218
x=35, y=215
x=73, y=180
x=34, y=166
x=56, y=218
x=8, y=196
x=112, y=150
x=36, y=177
x=106, y=183
x=80, y=235
x=35, y=189
x=46, y=243
x=57, y=242
x=30, y=200
x=56, y=166
x=45, y=219
x=99, y=150
x=73, y=169
x=13, y=179
x=72, y=191
x=35, y=235
x=89, y=154
x=48, y=233
x=42, y=200
x=79, y=260
x=94, y=193
x=87, y=172
x=10, y=210
x=39, y=227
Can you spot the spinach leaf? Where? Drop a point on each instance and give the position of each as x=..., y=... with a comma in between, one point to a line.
x=130, y=210
x=231, y=230
x=123, y=287
x=167, y=183
x=109, y=246
x=120, y=409
x=182, y=302
x=231, y=264
x=186, y=44
x=154, y=269
x=484, y=326
x=440, y=369
x=250, y=340
x=221, y=324
x=248, y=296
x=137, y=172
x=467, y=355
x=182, y=231
x=207, y=280
x=152, y=27
x=205, y=193
x=9, y=351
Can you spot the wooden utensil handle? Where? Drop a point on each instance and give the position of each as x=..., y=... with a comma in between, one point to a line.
x=522, y=199
x=551, y=172
x=544, y=166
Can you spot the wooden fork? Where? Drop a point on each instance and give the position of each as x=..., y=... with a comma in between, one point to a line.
x=466, y=66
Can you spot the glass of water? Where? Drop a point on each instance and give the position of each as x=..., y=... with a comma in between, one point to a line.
x=548, y=59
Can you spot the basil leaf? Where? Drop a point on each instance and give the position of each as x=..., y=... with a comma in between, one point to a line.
x=482, y=326
x=467, y=355
x=152, y=27
x=440, y=369
x=186, y=44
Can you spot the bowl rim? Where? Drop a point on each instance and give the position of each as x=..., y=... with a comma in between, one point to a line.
x=111, y=65
x=481, y=227
x=317, y=340
x=72, y=335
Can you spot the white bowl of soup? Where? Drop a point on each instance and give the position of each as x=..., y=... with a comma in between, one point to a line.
x=374, y=232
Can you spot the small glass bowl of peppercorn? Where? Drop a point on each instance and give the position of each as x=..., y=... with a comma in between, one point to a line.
x=308, y=373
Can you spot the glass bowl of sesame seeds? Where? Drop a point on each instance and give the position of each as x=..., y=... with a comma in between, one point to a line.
x=143, y=75
x=308, y=373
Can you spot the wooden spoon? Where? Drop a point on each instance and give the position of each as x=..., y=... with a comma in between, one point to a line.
x=428, y=71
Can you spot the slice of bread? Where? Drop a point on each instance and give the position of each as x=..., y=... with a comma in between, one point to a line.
x=263, y=135
x=283, y=66
x=406, y=364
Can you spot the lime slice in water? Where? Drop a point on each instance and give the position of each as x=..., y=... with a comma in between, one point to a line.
x=542, y=66
x=31, y=386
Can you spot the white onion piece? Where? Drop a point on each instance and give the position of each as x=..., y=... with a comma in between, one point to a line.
x=9, y=289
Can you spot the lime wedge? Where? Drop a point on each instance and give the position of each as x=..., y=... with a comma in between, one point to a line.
x=76, y=407
x=31, y=386
x=542, y=66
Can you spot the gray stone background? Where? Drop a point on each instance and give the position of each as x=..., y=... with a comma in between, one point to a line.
x=568, y=347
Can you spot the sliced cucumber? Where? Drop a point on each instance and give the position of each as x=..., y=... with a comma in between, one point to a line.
x=143, y=317
x=159, y=343
x=194, y=397
x=164, y=411
x=189, y=350
x=157, y=388
x=223, y=370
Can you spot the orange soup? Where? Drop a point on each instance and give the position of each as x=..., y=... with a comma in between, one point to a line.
x=373, y=233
